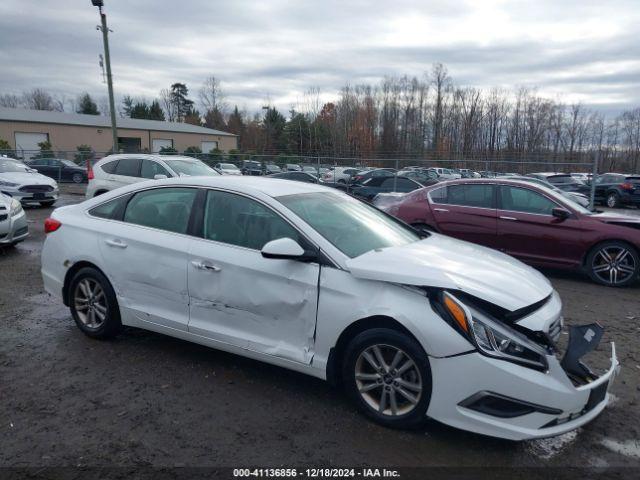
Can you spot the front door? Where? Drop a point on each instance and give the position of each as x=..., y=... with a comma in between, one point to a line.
x=241, y=298
x=528, y=231
x=467, y=212
x=145, y=256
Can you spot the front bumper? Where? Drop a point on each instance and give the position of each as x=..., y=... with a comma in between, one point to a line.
x=566, y=407
x=13, y=229
x=28, y=197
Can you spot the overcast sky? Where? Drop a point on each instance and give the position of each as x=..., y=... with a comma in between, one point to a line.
x=274, y=50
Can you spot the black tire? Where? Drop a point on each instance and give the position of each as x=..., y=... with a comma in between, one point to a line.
x=388, y=339
x=77, y=178
x=344, y=182
x=48, y=203
x=596, y=260
x=613, y=200
x=111, y=325
x=100, y=192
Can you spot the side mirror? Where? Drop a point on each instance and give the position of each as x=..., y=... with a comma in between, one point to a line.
x=284, y=249
x=159, y=176
x=561, y=213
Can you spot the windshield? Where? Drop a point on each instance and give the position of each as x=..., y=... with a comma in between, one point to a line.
x=353, y=227
x=7, y=166
x=69, y=163
x=191, y=168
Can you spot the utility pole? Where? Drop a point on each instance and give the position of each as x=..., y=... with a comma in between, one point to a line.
x=107, y=59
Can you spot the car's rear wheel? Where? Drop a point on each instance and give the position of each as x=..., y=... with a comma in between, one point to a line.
x=93, y=304
x=77, y=178
x=387, y=375
x=615, y=264
x=613, y=200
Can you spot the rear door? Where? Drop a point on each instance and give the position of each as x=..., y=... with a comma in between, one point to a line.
x=466, y=211
x=145, y=254
x=127, y=171
x=528, y=230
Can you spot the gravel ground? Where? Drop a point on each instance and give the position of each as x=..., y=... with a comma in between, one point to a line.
x=145, y=399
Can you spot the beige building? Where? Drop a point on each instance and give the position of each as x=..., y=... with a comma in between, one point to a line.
x=24, y=129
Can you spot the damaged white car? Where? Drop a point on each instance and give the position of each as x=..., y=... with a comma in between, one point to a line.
x=305, y=277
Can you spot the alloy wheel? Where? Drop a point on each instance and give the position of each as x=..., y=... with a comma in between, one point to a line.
x=614, y=265
x=388, y=380
x=90, y=303
x=612, y=200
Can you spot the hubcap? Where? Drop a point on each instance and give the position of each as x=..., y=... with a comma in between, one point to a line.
x=388, y=380
x=614, y=265
x=90, y=303
x=611, y=201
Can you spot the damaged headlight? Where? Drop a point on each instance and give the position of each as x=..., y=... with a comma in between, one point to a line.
x=490, y=337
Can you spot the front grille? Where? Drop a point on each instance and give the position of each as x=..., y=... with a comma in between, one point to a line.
x=555, y=329
x=21, y=231
x=36, y=188
x=3, y=217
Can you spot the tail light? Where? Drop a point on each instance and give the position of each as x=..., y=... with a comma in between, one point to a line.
x=626, y=186
x=90, y=175
x=51, y=225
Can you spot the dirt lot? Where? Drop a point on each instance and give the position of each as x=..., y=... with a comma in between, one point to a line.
x=150, y=400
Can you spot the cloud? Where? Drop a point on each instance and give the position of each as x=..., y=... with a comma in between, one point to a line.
x=579, y=50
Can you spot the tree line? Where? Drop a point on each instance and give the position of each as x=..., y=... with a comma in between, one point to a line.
x=428, y=117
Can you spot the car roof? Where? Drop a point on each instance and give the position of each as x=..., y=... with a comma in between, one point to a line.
x=144, y=156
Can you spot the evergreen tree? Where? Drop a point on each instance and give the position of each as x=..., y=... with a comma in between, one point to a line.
x=86, y=105
x=155, y=111
x=181, y=104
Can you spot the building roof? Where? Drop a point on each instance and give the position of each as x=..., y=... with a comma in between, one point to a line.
x=45, y=116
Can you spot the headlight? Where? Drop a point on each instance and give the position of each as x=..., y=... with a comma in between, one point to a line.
x=4, y=183
x=489, y=336
x=15, y=208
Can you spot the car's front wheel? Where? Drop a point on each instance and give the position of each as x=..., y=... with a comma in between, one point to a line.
x=614, y=264
x=77, y=178
x=387, y=375
x=613, y=200
x=93, y=304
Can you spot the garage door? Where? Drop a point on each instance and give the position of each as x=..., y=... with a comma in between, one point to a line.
x=208, y=146
x=158, y=143
x=27, y=143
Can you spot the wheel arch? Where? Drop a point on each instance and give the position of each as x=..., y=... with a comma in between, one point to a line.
x=75, y=268
x=336, y=353
x=593, y=247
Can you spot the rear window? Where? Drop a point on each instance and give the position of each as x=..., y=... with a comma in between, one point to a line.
x=561, y=179
x=109, y=167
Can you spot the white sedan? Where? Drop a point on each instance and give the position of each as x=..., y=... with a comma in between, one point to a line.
x=308, y=278
x=25, y=184
x=13, y=222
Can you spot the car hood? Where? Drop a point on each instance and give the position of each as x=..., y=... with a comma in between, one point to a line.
x=616, y=218
x=26, y=178
x=444, y=262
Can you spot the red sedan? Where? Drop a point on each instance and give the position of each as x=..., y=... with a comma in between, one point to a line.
x=530, y=222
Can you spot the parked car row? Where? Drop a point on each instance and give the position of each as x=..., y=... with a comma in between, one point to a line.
x=59, y=169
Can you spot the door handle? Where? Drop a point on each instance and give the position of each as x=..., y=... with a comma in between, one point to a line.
x=441, y=210
x=205, y=266
x=116, y=243
x=513, y=219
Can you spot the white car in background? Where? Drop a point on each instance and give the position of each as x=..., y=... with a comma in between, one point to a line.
x=340, y=175
x=117, y=171
x=13, y=221
x=25, y=184
x=228, y=169
x=311, y=279
x=445, y=173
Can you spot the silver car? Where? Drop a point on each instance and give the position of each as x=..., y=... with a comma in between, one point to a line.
x=25, y=184
x=13, y=222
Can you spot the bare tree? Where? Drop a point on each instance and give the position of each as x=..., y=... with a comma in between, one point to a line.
x=38, y=99
x=211, y=95
x=9, y=100
x=166, y=99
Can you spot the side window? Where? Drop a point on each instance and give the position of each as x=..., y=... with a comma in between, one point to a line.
x=111, y=209
x=41, y=162
x=374, y=181
x=240, y=221
x=163, y=208
x=471, y=196
x=524, y=200
x=439, y=195
x=109, y=167
x=150, y=169
x=129, y=167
